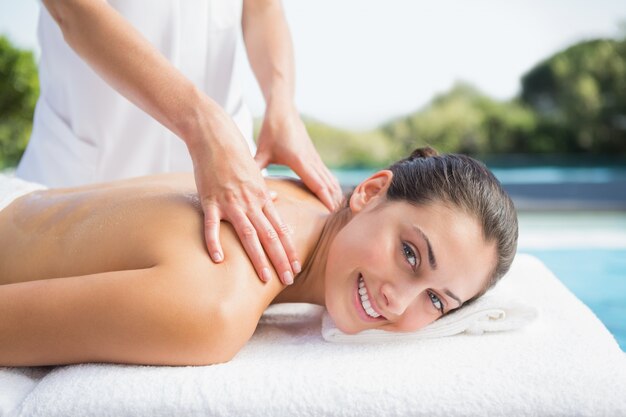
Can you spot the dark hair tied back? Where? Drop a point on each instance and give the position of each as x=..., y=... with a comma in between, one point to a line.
x=424, y=152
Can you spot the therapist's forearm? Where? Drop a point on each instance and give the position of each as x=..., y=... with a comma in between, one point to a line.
x=135, y=68
x=270, y=50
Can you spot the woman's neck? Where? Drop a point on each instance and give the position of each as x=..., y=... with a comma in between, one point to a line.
x=308, y=286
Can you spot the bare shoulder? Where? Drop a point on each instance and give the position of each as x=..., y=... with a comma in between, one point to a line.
x=292, y=187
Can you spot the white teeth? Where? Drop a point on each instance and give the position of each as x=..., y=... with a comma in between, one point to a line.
x=367, y=305
x=372, y=313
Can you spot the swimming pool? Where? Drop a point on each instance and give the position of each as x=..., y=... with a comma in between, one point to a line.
x=508, y=175
x=587, y=252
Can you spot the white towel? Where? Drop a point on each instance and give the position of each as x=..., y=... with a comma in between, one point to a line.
x=493, y=312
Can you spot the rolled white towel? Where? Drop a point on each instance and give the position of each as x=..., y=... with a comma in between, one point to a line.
x=493, y=312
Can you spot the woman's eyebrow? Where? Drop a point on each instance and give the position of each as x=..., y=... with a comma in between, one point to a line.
x=433, y=261
x=431, y=255
x=450, y=294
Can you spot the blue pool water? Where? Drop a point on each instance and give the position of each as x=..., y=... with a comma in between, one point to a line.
x=587, y=252
x=559, y=175
x=597, y=277
x=511, y=175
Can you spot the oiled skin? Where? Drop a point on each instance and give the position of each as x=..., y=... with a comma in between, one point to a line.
x=119, y=272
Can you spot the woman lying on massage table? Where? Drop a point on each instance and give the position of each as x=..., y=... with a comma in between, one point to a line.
x=118, y=272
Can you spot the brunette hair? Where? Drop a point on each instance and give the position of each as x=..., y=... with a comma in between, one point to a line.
x=426, y=177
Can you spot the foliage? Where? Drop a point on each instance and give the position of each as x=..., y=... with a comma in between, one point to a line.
x=575, y=101
x=19, y=89
x=465, y=120
x=579, y=96
x=343, y=148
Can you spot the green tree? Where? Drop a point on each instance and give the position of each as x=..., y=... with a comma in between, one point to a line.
x=465, y=120
x=345, y=148
x=19, y=89
x=579, y=95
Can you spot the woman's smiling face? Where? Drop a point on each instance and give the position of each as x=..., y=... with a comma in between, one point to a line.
x=397, y=266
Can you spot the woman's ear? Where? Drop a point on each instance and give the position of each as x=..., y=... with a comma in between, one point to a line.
x=372, y=189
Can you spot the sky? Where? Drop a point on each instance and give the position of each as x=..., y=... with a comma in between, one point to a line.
x=360, y=63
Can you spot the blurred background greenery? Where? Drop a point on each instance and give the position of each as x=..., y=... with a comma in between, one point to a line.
x=19, y=89
x=571, y=103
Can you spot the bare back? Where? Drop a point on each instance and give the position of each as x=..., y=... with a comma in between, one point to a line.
x=121, y=225
x=91, y=229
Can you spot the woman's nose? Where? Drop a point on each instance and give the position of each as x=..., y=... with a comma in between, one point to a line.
x=400, y=294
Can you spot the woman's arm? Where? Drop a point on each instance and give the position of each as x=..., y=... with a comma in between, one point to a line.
x=283, y=138
x=153, y=316
x=138, y=71
x=132, y=65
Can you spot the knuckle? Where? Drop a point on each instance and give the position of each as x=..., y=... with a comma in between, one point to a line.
x=260, y=194
x=298, y=161
x=283, y=229
x=231, y=199
x=271, y=234
x=211, y=223
x=253, y=193
x=207, y=201
x=319, y=188
x=248, y=231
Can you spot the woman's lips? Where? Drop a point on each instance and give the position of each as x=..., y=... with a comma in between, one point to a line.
x=359, y=306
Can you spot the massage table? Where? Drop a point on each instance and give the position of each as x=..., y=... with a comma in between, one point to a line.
x=564, y=363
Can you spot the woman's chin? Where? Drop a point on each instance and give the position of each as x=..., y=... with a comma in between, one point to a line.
x=343, y=324
x=350, y=330
x=341, y=316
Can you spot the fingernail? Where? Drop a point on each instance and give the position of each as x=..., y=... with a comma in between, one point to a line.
x=217, y=257
x=288, y=278
x=267, y=275
x=296, y=267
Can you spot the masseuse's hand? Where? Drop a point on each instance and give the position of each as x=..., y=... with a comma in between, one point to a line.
x=231, y=188
x=283, y=140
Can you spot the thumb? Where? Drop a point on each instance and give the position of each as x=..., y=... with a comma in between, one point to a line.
x=262, y=158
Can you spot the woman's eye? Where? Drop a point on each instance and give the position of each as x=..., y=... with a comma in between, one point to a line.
x=410, y=255
x=436, y=301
